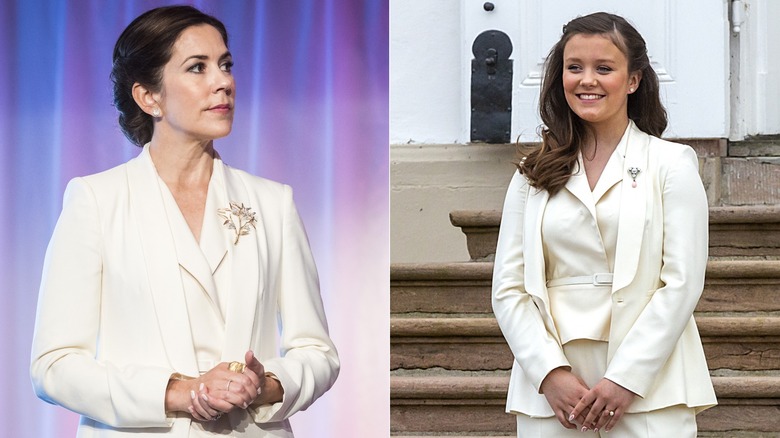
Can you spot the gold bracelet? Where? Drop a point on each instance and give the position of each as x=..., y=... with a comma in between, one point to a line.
x=179, y=376
x=273, y=376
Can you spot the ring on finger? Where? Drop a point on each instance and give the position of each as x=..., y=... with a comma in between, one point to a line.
x=237, y=367
x=611, y=413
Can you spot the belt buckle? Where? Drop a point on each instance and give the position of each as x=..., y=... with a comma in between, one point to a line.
x=602, y=279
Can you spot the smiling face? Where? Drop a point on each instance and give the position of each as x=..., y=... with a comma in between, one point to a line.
x=596, y=80
x=197, y=92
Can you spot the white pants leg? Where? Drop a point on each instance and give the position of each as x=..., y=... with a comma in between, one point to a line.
x=675, y=421
x=589, y=361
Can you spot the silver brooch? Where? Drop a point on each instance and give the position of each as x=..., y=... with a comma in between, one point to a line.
x=633, y=172
x=238, y=218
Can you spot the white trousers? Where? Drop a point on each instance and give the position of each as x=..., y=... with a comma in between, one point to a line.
x=589, y=361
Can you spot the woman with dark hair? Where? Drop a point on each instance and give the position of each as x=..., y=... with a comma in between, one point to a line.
x=168, y=278
x=602, y=251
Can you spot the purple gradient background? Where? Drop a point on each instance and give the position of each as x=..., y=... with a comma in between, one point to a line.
x=311, y=112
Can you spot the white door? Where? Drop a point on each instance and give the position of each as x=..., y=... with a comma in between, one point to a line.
x=687, y=41
x=755, y=68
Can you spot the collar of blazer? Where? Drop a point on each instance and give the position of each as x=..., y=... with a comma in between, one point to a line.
x=633, y=208
x=162, y=264
x=630, y=222
x=201, y=260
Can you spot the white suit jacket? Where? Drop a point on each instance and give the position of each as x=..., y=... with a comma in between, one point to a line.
x=112, y=323
x=661, y=256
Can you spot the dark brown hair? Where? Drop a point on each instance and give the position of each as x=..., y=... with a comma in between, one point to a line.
x=140, y=54
x=549, y=166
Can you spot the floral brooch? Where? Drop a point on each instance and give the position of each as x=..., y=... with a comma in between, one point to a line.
x=633, y=172
x=238, y=218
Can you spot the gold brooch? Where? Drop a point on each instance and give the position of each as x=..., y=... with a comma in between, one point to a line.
x=238, y=218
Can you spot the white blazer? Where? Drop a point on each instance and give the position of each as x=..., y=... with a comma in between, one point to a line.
x=661, y=256
x=112, y=324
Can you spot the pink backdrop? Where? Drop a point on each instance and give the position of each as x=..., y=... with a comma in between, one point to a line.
x=311, y=112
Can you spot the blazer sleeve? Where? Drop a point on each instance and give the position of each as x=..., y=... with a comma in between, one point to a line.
x=309, y=362
x=64, y=368
x=535, y=349
x=653, y=336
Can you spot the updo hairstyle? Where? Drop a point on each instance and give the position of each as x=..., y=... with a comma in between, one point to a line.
x=140, y=54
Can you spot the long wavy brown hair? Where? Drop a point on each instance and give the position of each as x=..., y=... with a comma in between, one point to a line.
x=550, y=165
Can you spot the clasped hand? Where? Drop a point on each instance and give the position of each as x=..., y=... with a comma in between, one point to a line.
x=221, y=390
x=597, y=408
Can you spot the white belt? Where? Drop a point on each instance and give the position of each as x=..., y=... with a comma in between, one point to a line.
x=595, y=280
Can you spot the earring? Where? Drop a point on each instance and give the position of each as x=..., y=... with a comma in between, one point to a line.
x=156, y=112
x=630, y=90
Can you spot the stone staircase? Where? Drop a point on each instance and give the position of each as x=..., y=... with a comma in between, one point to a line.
x=450, y=365
x=744, y=232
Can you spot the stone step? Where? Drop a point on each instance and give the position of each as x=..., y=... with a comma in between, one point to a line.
x=749, y=231
x=746, y=343
x=701, y=434
x=755, y=146
x=446, y=405
x=464, y=287
x=441, y=287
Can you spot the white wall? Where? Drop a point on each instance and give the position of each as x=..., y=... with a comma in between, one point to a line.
x=428, y=182
x=771, y=96
x=433, y=169
x=425, y=74
x=760, y=67
x=430, y=57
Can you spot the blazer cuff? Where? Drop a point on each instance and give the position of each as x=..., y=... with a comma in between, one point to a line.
x=538, y=378
x=634, y=382
x=277, y=411
x=139, y=396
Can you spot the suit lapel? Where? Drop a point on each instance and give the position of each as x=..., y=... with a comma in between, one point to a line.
x=534, y=251
x=578, y=185
x=213, y=239
x=189, y=254
x=162, y=266
x=612, y=174
x=245, y=292
x=633, y=205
